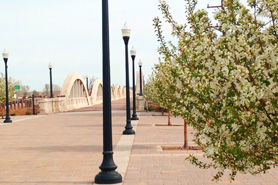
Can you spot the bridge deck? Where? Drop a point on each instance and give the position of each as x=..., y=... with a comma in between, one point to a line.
x=116, y=105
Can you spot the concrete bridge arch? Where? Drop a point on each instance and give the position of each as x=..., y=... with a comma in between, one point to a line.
x=97, y=92
x=75, y=87
x=74, y=95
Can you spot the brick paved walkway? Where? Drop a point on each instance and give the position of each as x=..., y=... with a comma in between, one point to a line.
x=149, y=165
x=65, y=149
x=61, y=148
x=116, y=105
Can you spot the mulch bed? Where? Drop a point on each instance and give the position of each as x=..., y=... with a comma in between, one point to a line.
x=176, y=125
x=181, y=148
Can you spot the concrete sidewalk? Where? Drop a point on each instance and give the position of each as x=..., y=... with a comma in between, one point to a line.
x=66, y=149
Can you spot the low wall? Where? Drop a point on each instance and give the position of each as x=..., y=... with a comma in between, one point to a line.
x=96, y=101
x=52, y=105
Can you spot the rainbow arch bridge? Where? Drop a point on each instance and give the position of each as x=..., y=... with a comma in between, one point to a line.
x=75, y=95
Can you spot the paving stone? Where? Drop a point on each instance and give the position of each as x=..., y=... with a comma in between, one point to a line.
x=171, y=165
x=66, y=149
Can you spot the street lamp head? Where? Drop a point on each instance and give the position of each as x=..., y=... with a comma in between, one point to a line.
x=50, y=66
x=133, y=51
x=140, y=63
x=126, y=31
x=5, y=54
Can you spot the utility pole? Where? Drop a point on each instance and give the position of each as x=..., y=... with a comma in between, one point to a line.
x=219, y=6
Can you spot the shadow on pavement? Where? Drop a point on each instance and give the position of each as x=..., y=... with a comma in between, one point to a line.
x=47, y=182
x=84, y=148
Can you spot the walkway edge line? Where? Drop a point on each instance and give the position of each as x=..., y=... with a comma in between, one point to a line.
x=122, y=151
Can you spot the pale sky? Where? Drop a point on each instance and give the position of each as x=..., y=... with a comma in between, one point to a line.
x=68, y=34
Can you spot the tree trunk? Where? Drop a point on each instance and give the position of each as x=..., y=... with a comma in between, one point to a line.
x=185, y=135
x=162, y=111
x=169, y=117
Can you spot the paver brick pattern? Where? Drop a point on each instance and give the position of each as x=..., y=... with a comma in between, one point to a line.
x=66, y=149
x=150, y=166
x=54, y=149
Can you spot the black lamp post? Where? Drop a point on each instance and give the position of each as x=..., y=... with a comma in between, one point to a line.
x=133, y=55
x=87, y=83
x=128, y=128
x=108, y=175
x=5, y=57
x=50, y=71
x=140, y=71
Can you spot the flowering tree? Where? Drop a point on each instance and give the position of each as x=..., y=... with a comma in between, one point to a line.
x=226, y=79
x=3, y=89
x=161, y=87
x=149, y=90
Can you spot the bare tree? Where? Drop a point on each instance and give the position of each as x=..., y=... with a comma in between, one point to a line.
x=90, y=84
x=36, y=93
x=46, y=90
x=24, y=90
x=56, y=90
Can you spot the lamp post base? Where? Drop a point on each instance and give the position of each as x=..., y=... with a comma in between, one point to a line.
x=110, y=177
x=8, y=120
x=128, y=132
x=134, y=117
x=128, y=128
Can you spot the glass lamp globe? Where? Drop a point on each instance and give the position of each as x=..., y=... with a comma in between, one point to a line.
x=126, y=31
